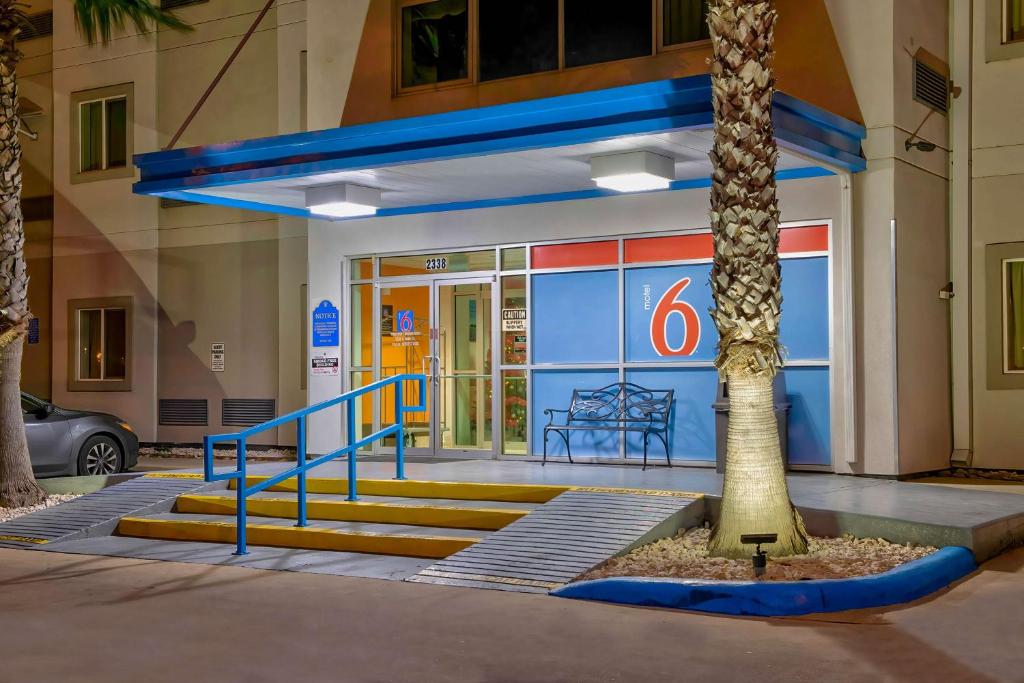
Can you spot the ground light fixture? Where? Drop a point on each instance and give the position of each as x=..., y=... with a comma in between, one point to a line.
x=633, y=171
x=343, y=200
x=760, y=558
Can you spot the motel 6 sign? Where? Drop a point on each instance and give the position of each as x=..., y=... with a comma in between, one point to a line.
x=668, y=305
x=666, y=312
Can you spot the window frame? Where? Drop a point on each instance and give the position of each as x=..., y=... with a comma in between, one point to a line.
x=473, y=57
x=1004, y=341
x=81, y=98
x=1005, y=30
x=659, y=31
x=74, y=371
x=995, y=329
x=997, y=47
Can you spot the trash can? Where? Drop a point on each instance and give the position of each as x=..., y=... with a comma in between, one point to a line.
x=721, y=408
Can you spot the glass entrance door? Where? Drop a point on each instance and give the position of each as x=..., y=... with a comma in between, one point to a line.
x=442, y=329
x=464, y=366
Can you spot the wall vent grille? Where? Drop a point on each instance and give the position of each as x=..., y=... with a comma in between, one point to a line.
x=38, y=26
x=184, y=412
x=930, y=87
x=245, y=412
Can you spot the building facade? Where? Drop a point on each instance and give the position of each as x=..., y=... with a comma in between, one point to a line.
x=492, y=262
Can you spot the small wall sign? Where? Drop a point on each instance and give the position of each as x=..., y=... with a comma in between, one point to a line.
x=217, y=356
x=324, y=365
x=326, y=323
x=513, y=320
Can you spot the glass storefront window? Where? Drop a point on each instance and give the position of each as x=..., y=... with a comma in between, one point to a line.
x=362, y=268
x=513, y=412
x=513, y=320
x=444, y=262
x=362, y=326
x=513, y=258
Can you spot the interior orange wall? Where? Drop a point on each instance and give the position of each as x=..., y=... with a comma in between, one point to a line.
x=809, y=66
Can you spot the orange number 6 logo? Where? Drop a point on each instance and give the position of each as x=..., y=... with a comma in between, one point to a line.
x=667, y=305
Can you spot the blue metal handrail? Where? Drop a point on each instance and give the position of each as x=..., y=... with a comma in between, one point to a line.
x=243, y=490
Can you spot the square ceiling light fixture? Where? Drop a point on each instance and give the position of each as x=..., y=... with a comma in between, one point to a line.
x=633, y=171
x=342, y=201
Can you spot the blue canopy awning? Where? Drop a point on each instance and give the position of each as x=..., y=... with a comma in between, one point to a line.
x=269, y=174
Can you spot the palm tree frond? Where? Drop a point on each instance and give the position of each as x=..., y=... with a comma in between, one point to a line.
x=100, y=18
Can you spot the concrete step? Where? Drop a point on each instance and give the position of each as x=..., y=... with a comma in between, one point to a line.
x=402, y=511
x=408, y=488
x=381, y=539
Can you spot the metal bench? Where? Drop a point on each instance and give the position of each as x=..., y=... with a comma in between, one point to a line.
x=622, y=407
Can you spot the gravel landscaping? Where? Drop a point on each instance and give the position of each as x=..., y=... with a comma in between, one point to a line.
x=685, y=557
x=994, y=475
x=7, y=514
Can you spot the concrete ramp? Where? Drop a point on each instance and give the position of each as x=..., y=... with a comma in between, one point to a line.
x=565, y=537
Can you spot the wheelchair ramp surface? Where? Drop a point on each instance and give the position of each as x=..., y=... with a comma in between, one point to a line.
x=561, y=539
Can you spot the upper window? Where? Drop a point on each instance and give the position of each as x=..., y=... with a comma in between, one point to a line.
x=1013, y=20
x=1013, y=315
x=101, y=335
x=684, y=21
x=434, y=42
x=459, y=41
x=517, y=38
x=102, y=138
x=605, y=30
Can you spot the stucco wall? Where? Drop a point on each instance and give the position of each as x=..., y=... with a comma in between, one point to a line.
x=902, y=368
x=997, y=184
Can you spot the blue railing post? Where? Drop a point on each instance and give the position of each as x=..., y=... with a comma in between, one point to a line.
x=400, y=434
x=300, y=451
x=240, y=494
x=350, y=429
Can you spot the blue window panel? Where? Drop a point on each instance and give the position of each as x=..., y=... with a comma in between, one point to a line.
x=810, y=434
x=692, y=424
x=553, y=389
x=654, y=337
x=575, y=317
x=804, y=326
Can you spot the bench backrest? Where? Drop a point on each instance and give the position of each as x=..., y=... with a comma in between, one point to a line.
x=621, y=402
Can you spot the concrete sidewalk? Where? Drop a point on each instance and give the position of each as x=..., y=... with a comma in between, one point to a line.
x=80, y=618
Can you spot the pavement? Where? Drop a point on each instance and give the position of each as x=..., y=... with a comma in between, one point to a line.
x=78, y=618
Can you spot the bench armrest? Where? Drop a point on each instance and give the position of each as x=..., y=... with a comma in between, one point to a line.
x=550, y=412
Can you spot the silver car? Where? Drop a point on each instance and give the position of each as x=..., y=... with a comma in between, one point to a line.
x=64, y=442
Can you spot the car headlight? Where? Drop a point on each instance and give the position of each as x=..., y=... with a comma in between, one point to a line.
x=125, y=426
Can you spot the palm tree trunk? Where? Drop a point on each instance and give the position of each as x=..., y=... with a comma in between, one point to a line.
x=17, y=484
x=746, y=279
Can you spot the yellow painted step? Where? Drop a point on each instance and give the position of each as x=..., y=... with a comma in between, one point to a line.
x=488, y=519
x=409, y=488
x=307, y=538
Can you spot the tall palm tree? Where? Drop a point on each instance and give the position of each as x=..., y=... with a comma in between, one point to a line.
x=96, y=19
x=745, y=278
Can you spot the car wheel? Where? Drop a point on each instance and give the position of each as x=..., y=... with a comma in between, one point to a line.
x=99, y=455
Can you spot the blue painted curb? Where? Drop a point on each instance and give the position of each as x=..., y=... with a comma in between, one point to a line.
x=783, y=598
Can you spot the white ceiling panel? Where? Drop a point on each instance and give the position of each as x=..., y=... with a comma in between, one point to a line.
x=514, y=174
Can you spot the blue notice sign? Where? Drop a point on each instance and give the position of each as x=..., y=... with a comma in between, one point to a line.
x=326, y=324
x=33, y=331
